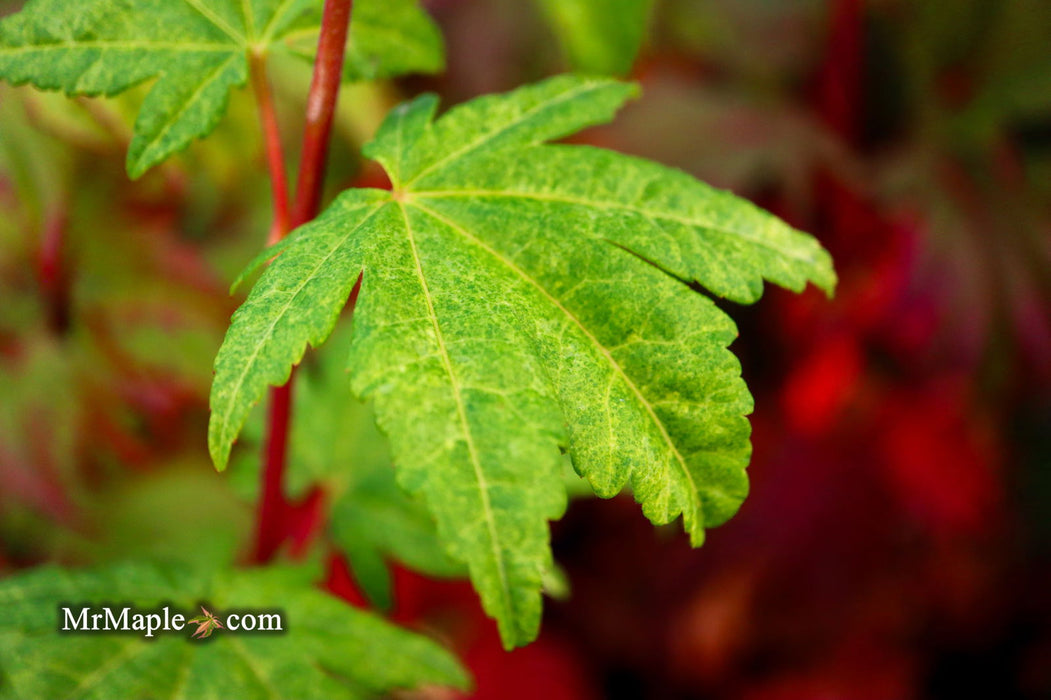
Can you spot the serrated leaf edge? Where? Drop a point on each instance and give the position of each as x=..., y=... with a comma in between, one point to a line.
x=219, y=445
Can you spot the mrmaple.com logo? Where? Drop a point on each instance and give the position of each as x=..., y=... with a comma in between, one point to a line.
x=86, y=618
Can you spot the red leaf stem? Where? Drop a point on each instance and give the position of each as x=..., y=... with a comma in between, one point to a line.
x=275, y=517
x=275, y=157
x=321, y=105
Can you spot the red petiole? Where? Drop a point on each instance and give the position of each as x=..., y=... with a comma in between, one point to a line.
x=275, y=515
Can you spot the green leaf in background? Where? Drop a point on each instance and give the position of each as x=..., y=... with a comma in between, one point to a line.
x=375, y=522
x=330, y=650
x=518, y=298
x=196, y=49
x=599, y=36
x=387, y=38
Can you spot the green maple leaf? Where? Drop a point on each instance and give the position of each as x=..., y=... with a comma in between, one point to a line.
x=517, y=299
x=599, y=36
x=328, y=649
x=197, y=50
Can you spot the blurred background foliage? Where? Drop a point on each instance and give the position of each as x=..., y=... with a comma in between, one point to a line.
x=897, y=542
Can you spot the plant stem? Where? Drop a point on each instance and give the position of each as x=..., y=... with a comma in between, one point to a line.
x=321, y=105
x=275, y=157
x=271, y=525
x=274, y=510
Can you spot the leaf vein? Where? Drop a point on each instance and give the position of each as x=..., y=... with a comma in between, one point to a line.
x=130, y=651
x=268, y=32
x=103, y=45
x=250, y=664
x=490, y=135
x=615, y=206
x=246, y=11
x=190, y=101
x=483, y=486
x=220, y=23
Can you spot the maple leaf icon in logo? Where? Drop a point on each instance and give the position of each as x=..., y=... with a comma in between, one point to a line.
x=206, y=624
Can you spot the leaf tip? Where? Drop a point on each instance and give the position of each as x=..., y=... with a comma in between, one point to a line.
x=825, y=277
x=218, y=447
x=519, y=630
x=134, y=166
x=457, y=676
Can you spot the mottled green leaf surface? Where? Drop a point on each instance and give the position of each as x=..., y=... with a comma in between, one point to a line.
x=195, y=50
x=599, y=36
x=518, y=298
x=329, y=650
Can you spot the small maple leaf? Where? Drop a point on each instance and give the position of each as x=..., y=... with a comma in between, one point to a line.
x=206, y=624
